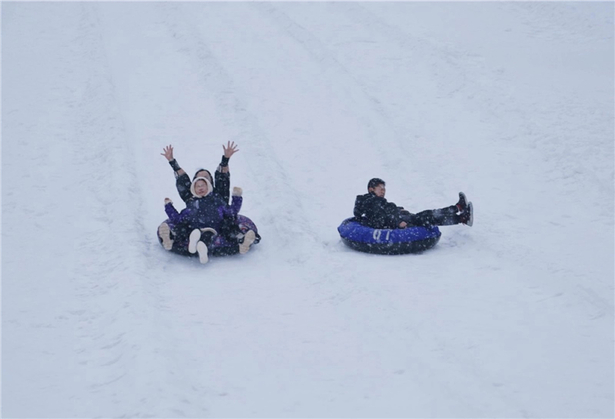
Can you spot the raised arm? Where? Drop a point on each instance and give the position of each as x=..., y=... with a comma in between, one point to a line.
x=168, y=153
x=223, y=175
x=229, y=150
x=182, y=180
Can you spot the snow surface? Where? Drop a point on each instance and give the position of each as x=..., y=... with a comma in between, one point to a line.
x=510, y=102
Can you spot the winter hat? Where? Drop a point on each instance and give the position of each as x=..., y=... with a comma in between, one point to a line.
x=209, y=187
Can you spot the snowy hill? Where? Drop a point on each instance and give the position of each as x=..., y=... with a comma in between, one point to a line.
x=510, y=102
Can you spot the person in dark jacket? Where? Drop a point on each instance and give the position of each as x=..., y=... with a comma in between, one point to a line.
x=373, y=210
x=196, y=226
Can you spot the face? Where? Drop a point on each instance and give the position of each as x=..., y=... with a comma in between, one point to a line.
x=379, y=190
x=205, y=174
x=200, y=187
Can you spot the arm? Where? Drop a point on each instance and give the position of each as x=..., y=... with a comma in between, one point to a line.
x=223, y=176
x=359, y=207
x=222, y=185
x=237, y=200
x=168, y=153
x=171, y=211
x=391, y=218
x=229, y=150
x=183, y=183
x=382, y=214
x=183, y=217
x=182, y=180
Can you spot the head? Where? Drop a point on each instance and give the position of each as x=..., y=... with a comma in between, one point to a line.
x=201, y=187
x=377, y=187
x=203, y=173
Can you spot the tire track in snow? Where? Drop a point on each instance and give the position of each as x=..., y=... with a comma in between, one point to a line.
x=455, y=62
x=221, y=80
x=378, y=124
x=119, y=310
x=93, y=239
x=282, y=224
x=322, y=54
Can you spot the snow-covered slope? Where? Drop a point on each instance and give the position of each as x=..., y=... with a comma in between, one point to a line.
x=510, y=102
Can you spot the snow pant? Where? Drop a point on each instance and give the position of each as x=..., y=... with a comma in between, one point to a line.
x=437, y=217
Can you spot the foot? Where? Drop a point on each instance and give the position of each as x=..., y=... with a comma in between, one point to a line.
x=195, y=237
x=247, y=241
x=462, y=203
x=164, y=232
x=201, y=248
x=467, y=215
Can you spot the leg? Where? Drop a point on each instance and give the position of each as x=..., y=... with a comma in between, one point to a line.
x=438, y=217
x=181, y=234
x=241, y=233
x=197, y=243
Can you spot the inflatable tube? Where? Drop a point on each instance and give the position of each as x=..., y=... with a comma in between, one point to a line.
x=220, y=246
x=387, y=241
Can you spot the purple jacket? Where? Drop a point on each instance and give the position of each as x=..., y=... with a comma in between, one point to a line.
x=208, y=211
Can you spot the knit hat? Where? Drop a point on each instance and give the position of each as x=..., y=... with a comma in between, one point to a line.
x=209, y=187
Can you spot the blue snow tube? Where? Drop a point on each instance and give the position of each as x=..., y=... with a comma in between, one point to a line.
x=387, y=241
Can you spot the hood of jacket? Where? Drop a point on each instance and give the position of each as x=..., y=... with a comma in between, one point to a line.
x=209, y=187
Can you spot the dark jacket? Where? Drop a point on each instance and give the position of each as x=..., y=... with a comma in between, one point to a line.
x=209, y=211
x=222, y=186
x=376, y=212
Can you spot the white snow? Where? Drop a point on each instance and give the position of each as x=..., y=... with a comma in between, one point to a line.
x=510, y=102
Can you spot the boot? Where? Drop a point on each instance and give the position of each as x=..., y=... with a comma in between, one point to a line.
x=195, y=238
x=246, y=242
x=201, y=248
x=462, y=203
x=164, y=232
x=467, y=215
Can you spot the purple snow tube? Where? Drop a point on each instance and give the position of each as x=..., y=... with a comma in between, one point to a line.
x=220, y=246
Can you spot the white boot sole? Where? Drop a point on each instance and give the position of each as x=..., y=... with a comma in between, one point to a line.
x=471, y=210
x=202, y=249
x=164, y=231
x=248, y=239
x=195, y=237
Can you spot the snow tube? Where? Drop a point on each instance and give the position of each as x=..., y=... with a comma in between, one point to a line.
x=220, y=246
x=387, y=241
